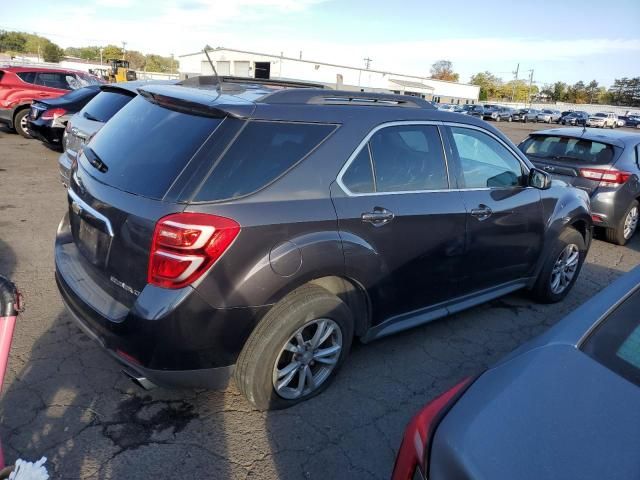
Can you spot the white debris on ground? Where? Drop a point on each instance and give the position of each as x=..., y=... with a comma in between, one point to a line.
x=30, y=471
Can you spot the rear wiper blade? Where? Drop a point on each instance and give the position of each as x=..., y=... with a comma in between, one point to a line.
x=88, y=116
x=95, y=161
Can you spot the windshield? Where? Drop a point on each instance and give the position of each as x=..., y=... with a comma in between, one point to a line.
x=600, y=115
x=570, y=149
x=615, y=343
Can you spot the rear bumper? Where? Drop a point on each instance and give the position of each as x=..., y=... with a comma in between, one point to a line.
x=45, y=131
x=170, y=337
x=6, y=116
x=610, y=206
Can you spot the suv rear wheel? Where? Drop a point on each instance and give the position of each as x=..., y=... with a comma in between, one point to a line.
x=20, y=123
x=296, y=349
x=561, y=268
x=626, y=227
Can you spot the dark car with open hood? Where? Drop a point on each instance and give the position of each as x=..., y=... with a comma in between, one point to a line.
x=251, y=229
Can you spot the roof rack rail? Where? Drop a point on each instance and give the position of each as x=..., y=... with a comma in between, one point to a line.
x=212, y=80
x=343, y=97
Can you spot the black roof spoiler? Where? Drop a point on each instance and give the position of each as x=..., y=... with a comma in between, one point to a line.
x=343, y=97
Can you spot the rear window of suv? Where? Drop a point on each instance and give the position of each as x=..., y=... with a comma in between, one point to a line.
x=615, y=343
x=262, y=152
x=146, y=146
x=105, y=105
x=568, y=149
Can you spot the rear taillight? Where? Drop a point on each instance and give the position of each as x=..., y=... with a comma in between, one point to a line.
x=53, y=113
x=416, y=441
x=185, y=245
x=607, y=178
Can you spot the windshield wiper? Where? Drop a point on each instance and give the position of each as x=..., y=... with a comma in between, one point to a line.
x=95, y=161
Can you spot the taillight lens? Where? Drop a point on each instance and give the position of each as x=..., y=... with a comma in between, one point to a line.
x=53, y=113
x=607, y=178
x=419, y=433
x=185, y=245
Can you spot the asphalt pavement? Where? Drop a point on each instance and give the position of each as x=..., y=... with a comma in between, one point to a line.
x=67, y=400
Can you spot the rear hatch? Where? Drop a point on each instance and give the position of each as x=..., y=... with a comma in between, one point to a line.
x=120, y=188
x=578, y=161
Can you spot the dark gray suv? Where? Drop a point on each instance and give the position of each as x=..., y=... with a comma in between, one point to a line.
x=258, y=230
x=606, y=165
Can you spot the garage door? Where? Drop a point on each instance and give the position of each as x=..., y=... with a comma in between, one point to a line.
x=241, y=69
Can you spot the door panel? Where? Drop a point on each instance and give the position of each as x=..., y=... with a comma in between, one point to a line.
x=403, y=229
x=505, y=223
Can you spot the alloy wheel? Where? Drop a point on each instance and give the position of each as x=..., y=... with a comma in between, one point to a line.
x=565, y=268
x=307, y=359
x=630, y=223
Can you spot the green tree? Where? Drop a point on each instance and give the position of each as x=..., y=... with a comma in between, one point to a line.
x=489, y=84
x=52, y=53
x=592, y=91
x=111, y=52
x=136, y=59
x=443, y=70
x=12, y=41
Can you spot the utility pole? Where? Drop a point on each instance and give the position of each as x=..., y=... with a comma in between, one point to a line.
x=530, y=84
x=367, y=62
x=513, y=92
x=124, y=48
x=171, y=69
x=101, y=50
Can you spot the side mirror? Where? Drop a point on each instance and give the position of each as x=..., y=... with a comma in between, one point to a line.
x=539, y=179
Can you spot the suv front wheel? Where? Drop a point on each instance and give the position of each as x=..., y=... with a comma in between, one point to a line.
x=20, y=123
x=561, y=268
x=296, y=349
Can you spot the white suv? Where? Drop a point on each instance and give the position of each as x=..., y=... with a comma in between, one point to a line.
x=603, y=120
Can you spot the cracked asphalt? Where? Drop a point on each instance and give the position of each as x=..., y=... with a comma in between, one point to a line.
x=66, y=399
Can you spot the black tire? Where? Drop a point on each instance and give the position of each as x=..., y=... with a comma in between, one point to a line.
x=616, y=234
x=498, y=118
x=542, y=291
x=18, y=121
x=525, y=120
x=255, y=366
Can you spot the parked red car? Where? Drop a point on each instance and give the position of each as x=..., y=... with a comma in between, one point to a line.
x=19, y=86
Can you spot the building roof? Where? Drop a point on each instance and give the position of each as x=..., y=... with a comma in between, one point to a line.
x=407, y=83
x=282, y=57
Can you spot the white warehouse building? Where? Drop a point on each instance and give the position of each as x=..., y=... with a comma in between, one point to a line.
x=241, y=63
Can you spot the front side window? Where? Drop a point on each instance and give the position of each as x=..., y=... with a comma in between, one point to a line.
x=485, y=162
x=53, y=80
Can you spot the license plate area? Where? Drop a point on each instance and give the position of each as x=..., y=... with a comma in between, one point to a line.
x=91, y=238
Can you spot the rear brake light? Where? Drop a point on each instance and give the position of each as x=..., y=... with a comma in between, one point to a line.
x=185, y=245
x=418, y=435
x=605, y=177
x=53, y=113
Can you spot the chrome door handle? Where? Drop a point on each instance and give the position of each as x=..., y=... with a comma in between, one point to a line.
x=482, y=212
x=377, y=218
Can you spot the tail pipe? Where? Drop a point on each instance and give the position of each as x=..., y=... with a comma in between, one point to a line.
x=139, y=380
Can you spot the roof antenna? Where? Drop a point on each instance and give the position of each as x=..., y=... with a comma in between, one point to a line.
x=215, y=72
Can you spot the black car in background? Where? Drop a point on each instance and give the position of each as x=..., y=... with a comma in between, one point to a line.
x=603, y=164
x=48, y=118
x=519, y=114
x=256, y=231
x=574, y=118
x=632, y=121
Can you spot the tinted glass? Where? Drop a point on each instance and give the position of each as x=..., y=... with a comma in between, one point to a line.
x=568, y=149
x=484, y=161
x=105, y=105
x=408, y=158
x=615, y=343
x=29, y=77
x=261, y=153
x=53, y=80
x=146, y=146
x=359, y=176
x=79, y=94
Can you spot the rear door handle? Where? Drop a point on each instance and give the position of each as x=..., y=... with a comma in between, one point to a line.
x=377, y=218
x=482, y=212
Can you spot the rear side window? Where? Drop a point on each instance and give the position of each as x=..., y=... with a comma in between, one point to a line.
x=29, y=77
x=615, y=343
x=146, y=146
x=262, y=152
x=105, y=105
x=568, y=149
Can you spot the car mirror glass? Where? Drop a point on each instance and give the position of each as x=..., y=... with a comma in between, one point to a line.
x=539, y=179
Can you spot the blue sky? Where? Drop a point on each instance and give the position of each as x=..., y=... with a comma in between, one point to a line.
x=560, y=40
